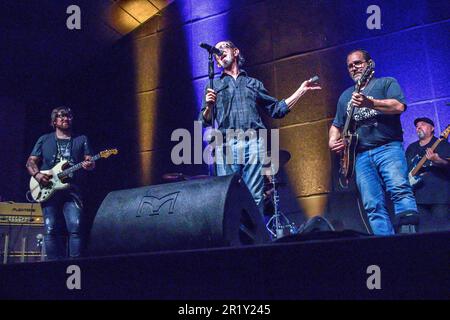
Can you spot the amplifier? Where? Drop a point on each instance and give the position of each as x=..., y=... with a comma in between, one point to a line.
x=21, y=232
x=12, y=213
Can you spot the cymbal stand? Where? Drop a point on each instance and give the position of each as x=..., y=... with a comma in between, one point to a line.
x=278, y=225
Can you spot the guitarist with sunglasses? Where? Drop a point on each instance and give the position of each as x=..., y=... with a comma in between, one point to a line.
x=378, y=159
x=64, y=210
x=429, y=167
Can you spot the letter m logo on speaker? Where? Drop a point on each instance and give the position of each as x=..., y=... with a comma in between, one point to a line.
x=152, y=206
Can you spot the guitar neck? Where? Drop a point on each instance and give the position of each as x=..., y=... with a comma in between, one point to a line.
x=350, y=113
x=348, y=120
x=362, y=82
x=424, y=158
x=76, y=167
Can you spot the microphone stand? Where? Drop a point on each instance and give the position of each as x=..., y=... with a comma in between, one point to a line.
x=211, y=86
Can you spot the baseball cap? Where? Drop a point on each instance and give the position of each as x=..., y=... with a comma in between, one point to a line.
x=424, y=119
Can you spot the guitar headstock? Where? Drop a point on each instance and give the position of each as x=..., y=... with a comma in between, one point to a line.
x=446, y=132
x=106, y=153
x=367, y=74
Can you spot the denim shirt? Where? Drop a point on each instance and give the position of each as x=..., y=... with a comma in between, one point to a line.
x=239, y=102
x=46, y=149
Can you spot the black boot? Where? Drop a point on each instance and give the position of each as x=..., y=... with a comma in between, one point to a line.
x=408, y=228
x=407, y=222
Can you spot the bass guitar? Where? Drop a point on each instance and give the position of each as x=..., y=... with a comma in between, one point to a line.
x=414, y=176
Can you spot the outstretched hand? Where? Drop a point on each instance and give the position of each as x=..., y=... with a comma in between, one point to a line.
x=310, y=85
x=304, y=87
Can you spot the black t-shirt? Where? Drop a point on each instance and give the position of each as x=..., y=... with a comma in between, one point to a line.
x=374, y=128
x=64, y=150
x=435, y=185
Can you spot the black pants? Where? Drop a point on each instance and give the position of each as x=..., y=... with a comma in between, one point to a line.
x=434, y=217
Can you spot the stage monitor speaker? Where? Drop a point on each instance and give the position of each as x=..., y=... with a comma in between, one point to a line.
x=316, y=224
x=319, y=228
x=203, y=213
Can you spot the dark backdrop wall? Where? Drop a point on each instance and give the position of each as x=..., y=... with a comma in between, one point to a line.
x=135, y=91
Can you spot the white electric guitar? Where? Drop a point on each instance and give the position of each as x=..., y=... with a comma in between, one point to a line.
x=59, y=175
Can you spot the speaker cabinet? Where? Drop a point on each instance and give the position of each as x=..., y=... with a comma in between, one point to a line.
x=203, y=213
x=21, y=232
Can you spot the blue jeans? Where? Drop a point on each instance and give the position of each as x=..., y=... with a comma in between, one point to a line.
x=246, y=158
x=62, y=212
x=379, y=169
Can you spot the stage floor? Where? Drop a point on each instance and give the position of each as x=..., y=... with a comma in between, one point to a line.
x=398, y=267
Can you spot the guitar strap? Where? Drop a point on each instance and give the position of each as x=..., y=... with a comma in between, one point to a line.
x=369, y=87
x=364, y=113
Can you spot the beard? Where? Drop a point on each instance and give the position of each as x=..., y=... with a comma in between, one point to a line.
x=420, y=134
x=356, y=77
x=226, y=62
x=64, y=126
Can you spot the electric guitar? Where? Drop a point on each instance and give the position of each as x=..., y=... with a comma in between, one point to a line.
x=59, y=175
x=413, y=176
x=350, y=139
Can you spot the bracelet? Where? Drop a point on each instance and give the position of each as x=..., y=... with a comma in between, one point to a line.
x=34, y=175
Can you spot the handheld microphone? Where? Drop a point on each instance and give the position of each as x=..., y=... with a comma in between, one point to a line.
x=211, y=49
x=314, y=79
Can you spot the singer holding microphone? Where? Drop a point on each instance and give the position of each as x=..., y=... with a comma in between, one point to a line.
x=237, y=101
